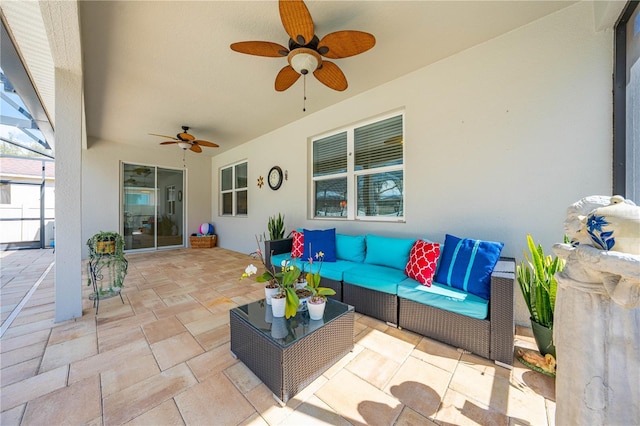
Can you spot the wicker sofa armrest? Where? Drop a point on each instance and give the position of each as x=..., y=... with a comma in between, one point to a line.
x=272, y=247
x=501, y=310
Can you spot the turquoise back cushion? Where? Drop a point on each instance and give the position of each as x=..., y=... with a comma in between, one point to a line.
x=467, y=264
x=350, y=248
x=391, y=252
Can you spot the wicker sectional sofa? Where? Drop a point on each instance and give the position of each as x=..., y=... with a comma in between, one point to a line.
x=383, y=291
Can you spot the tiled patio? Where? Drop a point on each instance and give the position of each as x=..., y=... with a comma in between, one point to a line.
x=163, y=358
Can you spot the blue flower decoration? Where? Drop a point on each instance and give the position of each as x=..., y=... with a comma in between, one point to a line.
x=603, y=240
x=595, y=223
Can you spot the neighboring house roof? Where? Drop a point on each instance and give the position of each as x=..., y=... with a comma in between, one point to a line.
x=26, y=167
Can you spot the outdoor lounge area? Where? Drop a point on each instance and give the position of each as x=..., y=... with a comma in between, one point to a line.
x=446, y=135
x=163, y=357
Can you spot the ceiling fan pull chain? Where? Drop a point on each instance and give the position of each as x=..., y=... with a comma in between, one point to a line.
x=304, y=100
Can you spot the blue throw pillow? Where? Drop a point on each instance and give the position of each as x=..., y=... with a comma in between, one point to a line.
x=467, y=264
x=350, y=248
x=316, y=241
x=391, y=252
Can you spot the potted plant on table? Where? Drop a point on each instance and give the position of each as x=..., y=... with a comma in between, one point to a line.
x=283, y=280
x=536, y=276
x=318, y=299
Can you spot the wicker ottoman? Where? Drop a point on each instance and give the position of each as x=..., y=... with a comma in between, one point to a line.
x=278, y=350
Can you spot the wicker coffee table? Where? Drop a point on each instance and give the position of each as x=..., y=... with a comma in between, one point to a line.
x=289, y=354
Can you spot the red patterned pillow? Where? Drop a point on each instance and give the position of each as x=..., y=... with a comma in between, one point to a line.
x=298, y=244
x=422, y=262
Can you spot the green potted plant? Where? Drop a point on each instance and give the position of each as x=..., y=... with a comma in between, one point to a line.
x=107, y=264
x=275, y=225
x=276, y=243
x=283, y=278
x=318, y=299
x=538, y=285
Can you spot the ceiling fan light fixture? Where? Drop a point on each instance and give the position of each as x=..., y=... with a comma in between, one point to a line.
x=304, y=60
x=184, y=145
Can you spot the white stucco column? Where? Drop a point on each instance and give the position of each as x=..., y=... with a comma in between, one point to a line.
x=68, y=278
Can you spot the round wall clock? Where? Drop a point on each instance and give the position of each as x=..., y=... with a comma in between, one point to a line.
x=275, y=177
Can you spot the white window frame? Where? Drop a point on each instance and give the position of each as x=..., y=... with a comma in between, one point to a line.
x=352, y=175
x=234, y=190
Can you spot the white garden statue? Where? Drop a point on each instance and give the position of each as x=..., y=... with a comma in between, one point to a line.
x=597, y=314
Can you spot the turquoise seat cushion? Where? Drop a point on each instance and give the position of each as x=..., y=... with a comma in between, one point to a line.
x=391, y=252
x=375, y=277
x=350, y=247
x=331, y=270
x=444, y=297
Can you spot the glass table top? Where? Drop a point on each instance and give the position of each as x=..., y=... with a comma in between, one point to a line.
x=284, y=331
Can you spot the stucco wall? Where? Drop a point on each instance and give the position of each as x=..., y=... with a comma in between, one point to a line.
x=500, y=139
x=101, y=184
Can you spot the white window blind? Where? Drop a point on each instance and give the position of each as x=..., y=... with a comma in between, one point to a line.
x=330, y=155
x=379, y=144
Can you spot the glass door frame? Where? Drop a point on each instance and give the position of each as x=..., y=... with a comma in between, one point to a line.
x=159, y=197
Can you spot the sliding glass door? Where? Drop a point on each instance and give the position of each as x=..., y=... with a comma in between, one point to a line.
x=152, y=207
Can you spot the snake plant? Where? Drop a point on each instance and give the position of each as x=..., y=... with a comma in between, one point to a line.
x=538, y=283
x=276, y=227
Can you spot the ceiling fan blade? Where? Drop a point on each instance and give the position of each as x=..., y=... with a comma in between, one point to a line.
x=195, y=148
x=163, y=136
x=186, y=136
x=206, y=143
x=168, y=142
x=343, y=44
x=296, y=21
x=331, y=76
x=260, y=48
x=285, y=78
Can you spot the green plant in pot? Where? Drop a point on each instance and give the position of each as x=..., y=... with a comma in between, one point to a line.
x=536, y=276
x=275, y=225
x=285, y=278
x=107, y=264
x=275, y=242
x=317, y=302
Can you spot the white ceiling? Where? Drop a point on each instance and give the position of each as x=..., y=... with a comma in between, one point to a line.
x=150, y=67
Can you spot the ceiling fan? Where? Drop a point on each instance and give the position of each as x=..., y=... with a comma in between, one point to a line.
x=306, y=50
x=186, y=141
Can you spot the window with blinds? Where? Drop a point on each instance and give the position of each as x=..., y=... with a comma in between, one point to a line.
x=234, y=190
x=358, y=173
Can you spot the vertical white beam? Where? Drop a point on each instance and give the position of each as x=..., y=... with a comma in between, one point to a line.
x=68, y=278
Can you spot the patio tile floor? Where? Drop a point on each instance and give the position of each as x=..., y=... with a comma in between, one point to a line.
x=163, y=357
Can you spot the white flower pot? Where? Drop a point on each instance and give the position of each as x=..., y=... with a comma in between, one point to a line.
x=316, y=310
x=278, y=306
x=269, y=292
